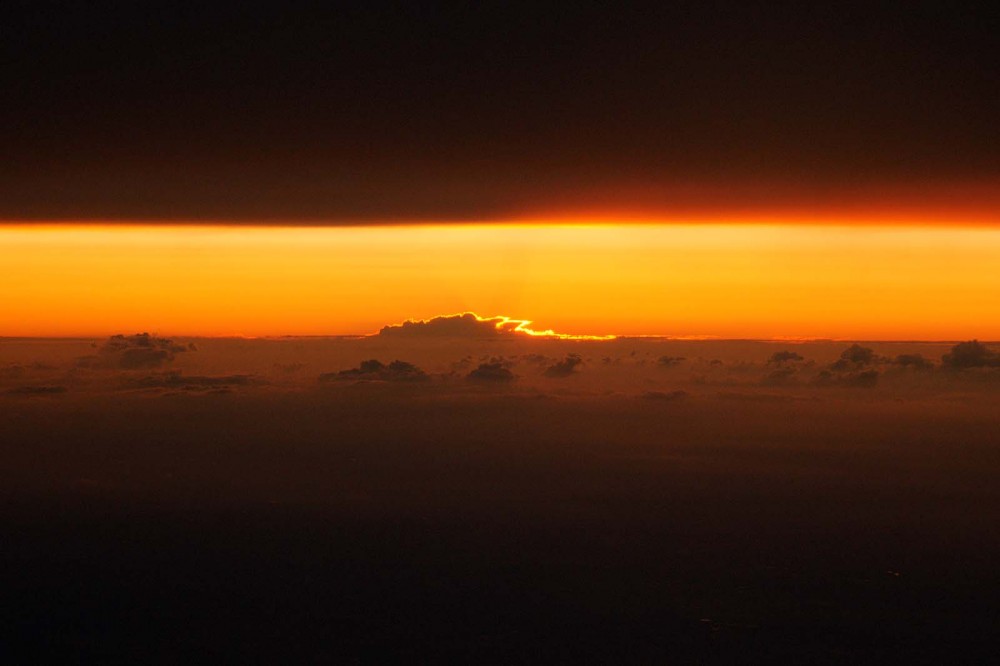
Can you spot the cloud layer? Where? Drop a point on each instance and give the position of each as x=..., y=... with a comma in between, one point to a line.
x=491, y=373
x=627, y=366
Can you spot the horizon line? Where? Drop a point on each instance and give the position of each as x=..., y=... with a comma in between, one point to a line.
x=557, y=338
x=954, y=220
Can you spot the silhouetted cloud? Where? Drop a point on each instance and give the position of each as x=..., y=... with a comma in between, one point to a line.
x=134, y=352
x=780, y=377
x=565, y=367
x=786, y=368
x=916, y=361
x=971, y=354
x=855, y=357
x=865, y=379
x=825, y=378
x=503, y=361
x=470, y=325
x=852, y=369
x=375, y=370
x=537, y=359
x=777, y=358
x=668, y=361
x=491, y=373
x=465, y=325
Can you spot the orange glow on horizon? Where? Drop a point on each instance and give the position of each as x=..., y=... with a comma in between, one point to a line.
x=895, y=217
x=932, y=203
x=738, y=280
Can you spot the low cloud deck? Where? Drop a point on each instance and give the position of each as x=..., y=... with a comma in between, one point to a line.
x=227, y=503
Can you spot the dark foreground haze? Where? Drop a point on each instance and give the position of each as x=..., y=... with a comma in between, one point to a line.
x=498, y=500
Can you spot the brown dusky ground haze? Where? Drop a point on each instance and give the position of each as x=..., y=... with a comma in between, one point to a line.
x=454, y=490
x=391, y=332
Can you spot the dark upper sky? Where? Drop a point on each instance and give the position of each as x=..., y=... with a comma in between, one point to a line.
x=250, y=111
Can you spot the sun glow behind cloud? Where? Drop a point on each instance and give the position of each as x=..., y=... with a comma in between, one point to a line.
x=724, y=280
x=470, y=324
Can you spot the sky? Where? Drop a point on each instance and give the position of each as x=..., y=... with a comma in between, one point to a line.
x=730, y=281
x=413, y=111
x=717, y=169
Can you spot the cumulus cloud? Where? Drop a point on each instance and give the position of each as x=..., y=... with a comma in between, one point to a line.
x=134, y=352
x=780, y=377
x=916, y=361
x=462, y=364
x=785, y=368
x=565, y=367
x=855, y=368
x=537, y=359
x=865, y=379
x=494, y=372
x=375, y=370
x=465, y=325
x=855, y=357
x=971, y=354
x=778, y=358
x=470, y=325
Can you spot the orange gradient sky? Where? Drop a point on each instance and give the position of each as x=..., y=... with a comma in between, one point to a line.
x=726, y=280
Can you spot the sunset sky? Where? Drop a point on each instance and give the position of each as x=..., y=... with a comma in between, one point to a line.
x=734, y=281
x=398, y=331
x=692, y=170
